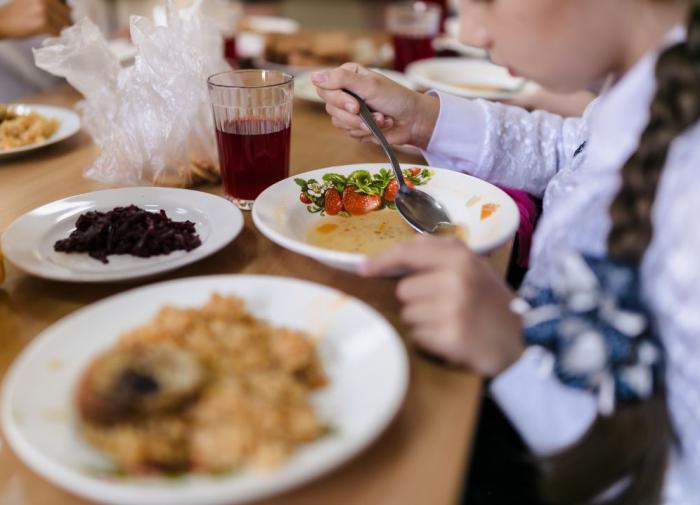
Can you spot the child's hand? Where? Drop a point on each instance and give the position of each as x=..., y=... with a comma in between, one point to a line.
x=457, y=306
x=406, y=117
x=26, y=18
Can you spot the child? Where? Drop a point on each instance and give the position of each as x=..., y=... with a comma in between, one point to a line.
x=21, y=21
x=603, y=292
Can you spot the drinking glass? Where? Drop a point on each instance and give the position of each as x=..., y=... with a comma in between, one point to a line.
x=253, y=118
x=413, y=26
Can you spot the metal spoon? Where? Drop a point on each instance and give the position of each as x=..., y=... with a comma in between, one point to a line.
x=418, y=208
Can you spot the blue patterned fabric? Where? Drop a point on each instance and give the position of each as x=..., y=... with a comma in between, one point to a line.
x=598, y=330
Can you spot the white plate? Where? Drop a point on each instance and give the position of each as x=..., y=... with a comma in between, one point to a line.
x=282, y=218
x=304, y=88
x=28, y=242
x=362, y=354
x=69, y=125
x=451, y=74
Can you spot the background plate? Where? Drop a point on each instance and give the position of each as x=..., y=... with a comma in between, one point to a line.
x=28, y=242
x=455, y=75
x=69, y=125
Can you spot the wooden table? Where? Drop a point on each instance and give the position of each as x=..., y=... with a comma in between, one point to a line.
x=421, y=458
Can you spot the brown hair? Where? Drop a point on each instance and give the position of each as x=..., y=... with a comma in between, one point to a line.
x=631, y=447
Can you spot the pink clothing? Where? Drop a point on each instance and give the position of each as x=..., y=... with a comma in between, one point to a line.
x=529, y=212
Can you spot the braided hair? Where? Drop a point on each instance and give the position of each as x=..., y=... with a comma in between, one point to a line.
x=637, y=438
x=675, y=107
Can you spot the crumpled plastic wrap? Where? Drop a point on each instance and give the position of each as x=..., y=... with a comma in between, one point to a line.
x=152, y=120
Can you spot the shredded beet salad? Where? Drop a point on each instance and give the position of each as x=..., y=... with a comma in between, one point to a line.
x=128, y=230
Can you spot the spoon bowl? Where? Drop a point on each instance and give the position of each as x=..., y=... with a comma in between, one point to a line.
x=420, y=210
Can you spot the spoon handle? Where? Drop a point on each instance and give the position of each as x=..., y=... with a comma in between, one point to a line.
x=367, y=118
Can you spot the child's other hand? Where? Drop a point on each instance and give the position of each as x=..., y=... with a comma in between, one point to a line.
x=456, y=305
x=26, y=18
x=405, y=117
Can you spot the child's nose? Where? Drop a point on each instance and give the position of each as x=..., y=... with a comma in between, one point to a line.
x=472, y=30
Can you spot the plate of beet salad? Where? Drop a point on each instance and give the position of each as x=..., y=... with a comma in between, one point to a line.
x=120, y=234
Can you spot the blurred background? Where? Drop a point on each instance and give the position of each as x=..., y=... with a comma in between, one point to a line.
x=310, y=13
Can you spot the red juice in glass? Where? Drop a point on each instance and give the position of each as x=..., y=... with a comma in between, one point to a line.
x=408, y=49
x=230, y=53
x=252, y=112
x=413, y=26
x=253, y=154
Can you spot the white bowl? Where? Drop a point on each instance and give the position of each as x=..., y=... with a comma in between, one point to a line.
x=281, y=217
x=456, y=75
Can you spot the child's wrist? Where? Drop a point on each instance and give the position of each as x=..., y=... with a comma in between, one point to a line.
x=512, y=349
x=427, y=112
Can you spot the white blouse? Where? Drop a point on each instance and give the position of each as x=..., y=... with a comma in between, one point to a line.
x=534, y=151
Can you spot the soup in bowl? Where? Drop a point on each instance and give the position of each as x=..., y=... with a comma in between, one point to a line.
x=341, y=215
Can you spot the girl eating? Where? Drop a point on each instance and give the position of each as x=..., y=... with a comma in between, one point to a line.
x=595, y=359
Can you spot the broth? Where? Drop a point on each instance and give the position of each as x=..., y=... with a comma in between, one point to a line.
x=367, y=234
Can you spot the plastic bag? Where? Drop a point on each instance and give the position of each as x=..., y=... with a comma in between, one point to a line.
x=152, y=120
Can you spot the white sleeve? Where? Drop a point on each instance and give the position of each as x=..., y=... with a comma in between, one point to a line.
x=548, y=415
x=671, y=274
x=502, y=144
